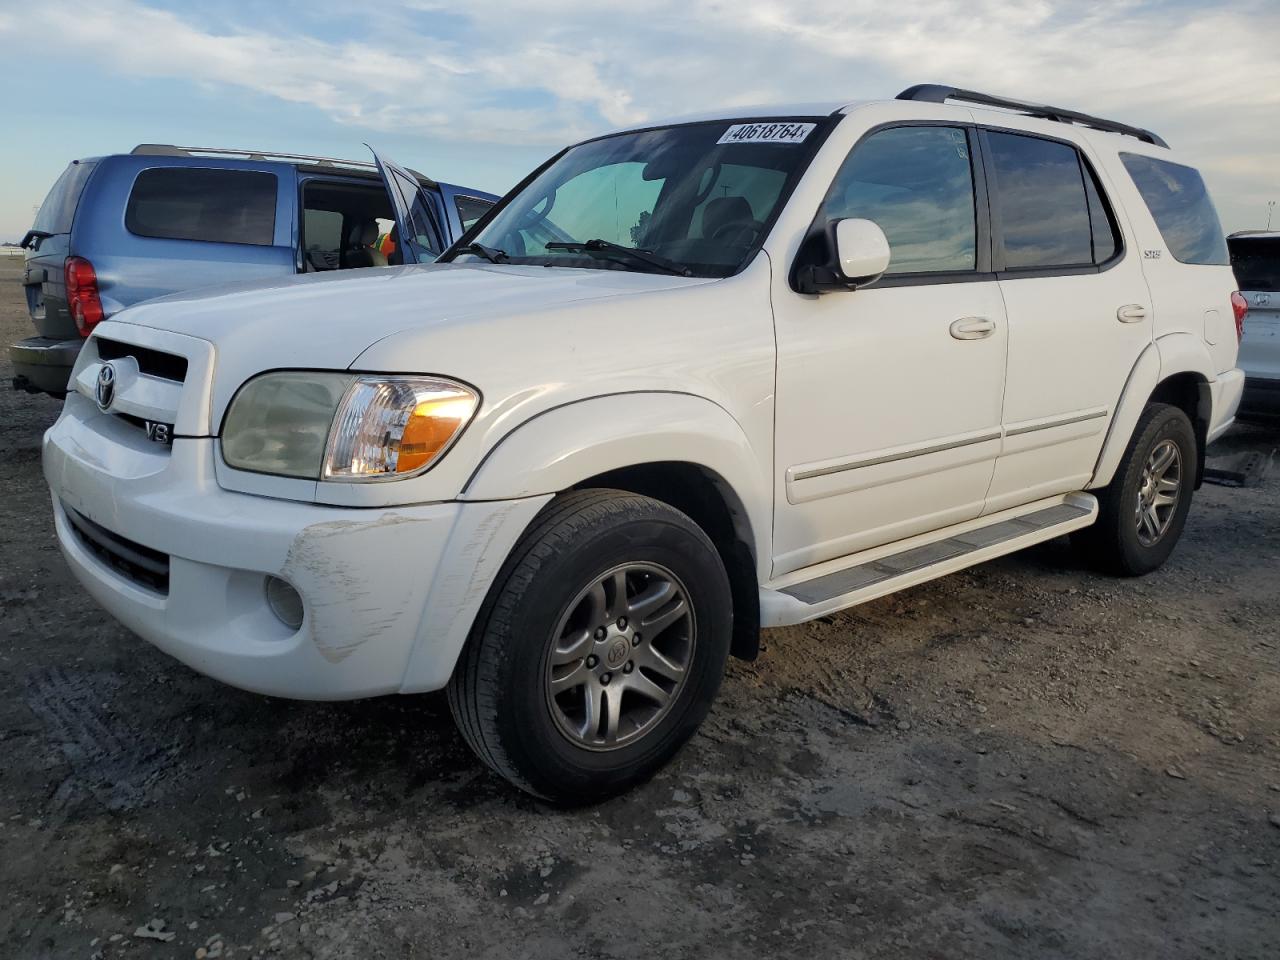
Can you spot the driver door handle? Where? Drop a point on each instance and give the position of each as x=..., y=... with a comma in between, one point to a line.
x=1131, y=313
x=972, y=328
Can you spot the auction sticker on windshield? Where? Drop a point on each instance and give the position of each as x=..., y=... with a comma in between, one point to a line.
x=767, y=133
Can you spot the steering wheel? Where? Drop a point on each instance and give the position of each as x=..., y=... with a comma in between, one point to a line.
x=755, y=226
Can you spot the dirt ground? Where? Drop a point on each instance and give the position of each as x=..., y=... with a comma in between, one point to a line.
x=1024, y=760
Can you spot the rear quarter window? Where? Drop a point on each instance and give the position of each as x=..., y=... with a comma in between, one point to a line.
x=217, y=206
x=59, y=207
x=1180, y=205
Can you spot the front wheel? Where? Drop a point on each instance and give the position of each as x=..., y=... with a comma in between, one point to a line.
x=599, y=649
x=1143, y=510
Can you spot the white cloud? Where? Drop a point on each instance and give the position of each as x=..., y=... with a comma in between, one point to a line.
x=1204, y=76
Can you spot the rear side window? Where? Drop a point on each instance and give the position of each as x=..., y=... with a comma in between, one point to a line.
x=59, y=207
x=1180, y=205
x=1048, y=209
x=471, y=209
x=189, y=203
x=916, y=183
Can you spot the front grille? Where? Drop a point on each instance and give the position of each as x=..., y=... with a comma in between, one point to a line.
x=154, y=363
x=133, y=561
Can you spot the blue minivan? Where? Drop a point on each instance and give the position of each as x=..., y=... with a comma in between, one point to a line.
x=119, y=229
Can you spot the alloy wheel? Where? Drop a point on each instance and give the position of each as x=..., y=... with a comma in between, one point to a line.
x=620, y=656
x=1158, y=492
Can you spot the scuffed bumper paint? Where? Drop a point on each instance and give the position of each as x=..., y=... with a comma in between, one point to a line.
x=389, y=594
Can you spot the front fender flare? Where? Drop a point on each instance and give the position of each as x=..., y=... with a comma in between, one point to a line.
x=560, y=447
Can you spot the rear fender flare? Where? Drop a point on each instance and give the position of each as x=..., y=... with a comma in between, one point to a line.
x=1169, y=355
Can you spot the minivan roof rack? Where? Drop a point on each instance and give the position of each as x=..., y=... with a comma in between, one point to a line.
x=938, y=93
x=169, y=150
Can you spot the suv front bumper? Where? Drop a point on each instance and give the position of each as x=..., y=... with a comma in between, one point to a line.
x=388, y=594
x=43, y=364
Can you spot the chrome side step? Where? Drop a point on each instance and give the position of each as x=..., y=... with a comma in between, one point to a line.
x=835, y=585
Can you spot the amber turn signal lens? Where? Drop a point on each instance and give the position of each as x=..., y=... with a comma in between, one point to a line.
x=432, y=424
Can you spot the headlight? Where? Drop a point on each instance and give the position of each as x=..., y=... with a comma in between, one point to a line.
x=392, y=426
x=341, y=426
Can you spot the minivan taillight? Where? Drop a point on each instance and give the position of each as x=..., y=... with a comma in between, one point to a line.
x=1240, y=307
x=83, y=301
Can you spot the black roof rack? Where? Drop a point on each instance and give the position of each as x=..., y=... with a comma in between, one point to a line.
x=937, y=93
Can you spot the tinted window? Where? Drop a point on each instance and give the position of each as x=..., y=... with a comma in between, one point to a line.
x=59, y=206
x=471, y=209
x=1041, y=207
x=917, y=184
x=187, y=203
x=1181, y=208
x=423, y=235
x=1256, y=261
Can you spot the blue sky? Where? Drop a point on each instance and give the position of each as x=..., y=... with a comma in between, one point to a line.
x=479, y=94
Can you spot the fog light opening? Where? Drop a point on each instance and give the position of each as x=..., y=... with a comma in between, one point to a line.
x=285, y=602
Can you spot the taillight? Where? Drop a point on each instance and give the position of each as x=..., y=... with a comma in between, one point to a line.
x=82, y=294
x=1240, y=307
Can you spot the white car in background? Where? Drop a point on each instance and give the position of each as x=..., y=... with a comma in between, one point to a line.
x=685, y=381
x=1255, y=257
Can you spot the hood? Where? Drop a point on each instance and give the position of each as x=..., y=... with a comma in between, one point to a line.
x=326, y=321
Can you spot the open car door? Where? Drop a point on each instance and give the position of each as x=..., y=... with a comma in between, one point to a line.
x=421, y=236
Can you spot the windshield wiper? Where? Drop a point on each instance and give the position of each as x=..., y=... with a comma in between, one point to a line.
x=492, y=254
x=617, y=251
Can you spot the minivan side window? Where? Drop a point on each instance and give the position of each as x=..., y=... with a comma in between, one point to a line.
x=59, y=206
x=1048, y=209
x=1180, y=205
x=916, y=183
x=191, y=203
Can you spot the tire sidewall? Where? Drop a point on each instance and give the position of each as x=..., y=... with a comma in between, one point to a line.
x=544, y=756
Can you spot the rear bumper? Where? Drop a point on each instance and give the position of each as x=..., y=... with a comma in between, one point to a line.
x=388, y=594
x=43, y=364
x=1261, y=398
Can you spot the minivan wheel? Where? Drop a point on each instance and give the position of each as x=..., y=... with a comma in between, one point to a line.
x=1143, y=510
x=599, y=649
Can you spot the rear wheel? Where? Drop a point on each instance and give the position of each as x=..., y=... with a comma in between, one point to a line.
x=599, y=649
x=1143, y=510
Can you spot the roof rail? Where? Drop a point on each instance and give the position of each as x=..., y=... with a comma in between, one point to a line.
x=168, y=150
x=937, y=93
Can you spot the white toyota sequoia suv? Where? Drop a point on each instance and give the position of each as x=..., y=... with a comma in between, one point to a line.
x=686, y=381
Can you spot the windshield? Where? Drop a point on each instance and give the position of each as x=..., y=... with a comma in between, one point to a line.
x=701, y=196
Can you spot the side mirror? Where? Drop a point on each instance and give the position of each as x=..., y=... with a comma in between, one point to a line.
x=862, y=250
x=846, y=255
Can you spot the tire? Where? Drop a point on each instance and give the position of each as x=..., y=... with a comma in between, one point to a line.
x=1121, y=542
x=539, y=632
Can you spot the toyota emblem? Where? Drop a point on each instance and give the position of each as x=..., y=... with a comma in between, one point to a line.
x=105, y=389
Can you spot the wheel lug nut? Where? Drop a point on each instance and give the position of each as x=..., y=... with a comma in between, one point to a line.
x=605, y=678
x=600, y=633
x=592, y=661
x=629, y=667
x=635, y=641
x=622, y=623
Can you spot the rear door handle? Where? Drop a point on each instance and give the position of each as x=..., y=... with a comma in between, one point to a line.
x=972, y=328
x=1131, y=313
